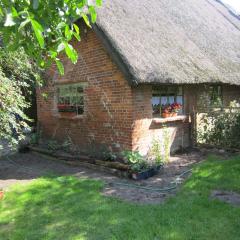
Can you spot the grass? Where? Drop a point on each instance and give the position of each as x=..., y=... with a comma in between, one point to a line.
x=69, y=208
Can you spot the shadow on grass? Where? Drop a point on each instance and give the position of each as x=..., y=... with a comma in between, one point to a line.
x=69, y=208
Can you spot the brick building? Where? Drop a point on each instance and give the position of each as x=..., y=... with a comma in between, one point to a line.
x=138, y=56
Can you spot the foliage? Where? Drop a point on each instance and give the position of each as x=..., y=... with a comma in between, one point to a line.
x=101, y=151
x=35, y=137
x=44, y=28
x=156, y=151
x=66, y=207
x=220, y=127
x=12, y=105
x=53, y=145
x=18, y=76
x=109, y=156
x=18, y=67
x=135, y=160
x=210, y=97
x=160, y=148
x=166, y=143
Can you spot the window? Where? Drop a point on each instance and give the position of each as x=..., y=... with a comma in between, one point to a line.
x=210, y=96
x=215, y=95
x=166, y=95
x=71, y=98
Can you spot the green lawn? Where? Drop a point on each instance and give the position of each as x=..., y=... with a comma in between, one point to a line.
x=67, y=208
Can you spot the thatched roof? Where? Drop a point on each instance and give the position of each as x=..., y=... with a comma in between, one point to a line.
x=172, y=41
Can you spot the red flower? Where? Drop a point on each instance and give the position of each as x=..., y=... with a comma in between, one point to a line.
x=176, y=107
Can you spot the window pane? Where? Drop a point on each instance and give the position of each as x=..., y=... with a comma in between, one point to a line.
x=216, y=96
x=71, y=95
x=164, y=95
x=180, y=99
x=155, y=101
x=164, y=100
x=171, y=99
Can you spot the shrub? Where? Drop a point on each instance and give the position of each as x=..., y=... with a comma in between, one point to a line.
x=220, y=127
x=135, y=160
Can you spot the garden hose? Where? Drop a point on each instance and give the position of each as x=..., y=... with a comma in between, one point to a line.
x=167, y=189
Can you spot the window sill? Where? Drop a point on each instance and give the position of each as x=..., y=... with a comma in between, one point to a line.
x=69, y=117
x=181, y=118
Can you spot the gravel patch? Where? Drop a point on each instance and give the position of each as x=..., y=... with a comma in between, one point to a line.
x=231, y=198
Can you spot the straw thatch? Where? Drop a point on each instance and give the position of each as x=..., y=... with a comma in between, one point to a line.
x=172, y=41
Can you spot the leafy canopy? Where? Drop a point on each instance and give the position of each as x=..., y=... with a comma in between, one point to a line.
x=44, y=28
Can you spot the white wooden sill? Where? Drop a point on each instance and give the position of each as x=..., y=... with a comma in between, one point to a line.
x=181, y=118
x=76, y=117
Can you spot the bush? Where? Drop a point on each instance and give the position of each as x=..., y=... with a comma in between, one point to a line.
x=135, y=160
x=220, y=128
x=17, y=81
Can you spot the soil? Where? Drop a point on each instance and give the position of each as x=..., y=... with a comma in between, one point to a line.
x=24, y=167
x=228, y=197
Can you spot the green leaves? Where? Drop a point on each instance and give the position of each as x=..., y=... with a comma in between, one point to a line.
x=71, y=52
x=45, y=28
x=77, y=32
x=38, y=30
x=68, y=33
x=86, y=20
x=98, y=3
x=93, y=14
x=24, y=23
x=60, y=66
x=17, y=74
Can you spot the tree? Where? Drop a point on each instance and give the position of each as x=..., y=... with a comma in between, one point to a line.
x=44, y=28
x=34, y=32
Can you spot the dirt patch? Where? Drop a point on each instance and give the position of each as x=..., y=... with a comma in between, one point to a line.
x=22, y=168
x=227, y=197
x=158, y=188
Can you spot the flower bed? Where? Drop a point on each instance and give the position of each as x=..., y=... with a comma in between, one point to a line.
x=133, y=165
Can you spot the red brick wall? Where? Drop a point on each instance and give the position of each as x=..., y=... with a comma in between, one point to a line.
x=174, y=135
x=115, y=114
x=107, y=117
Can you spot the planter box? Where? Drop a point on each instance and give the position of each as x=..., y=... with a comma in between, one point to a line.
x=66, y=108
x=147, y=173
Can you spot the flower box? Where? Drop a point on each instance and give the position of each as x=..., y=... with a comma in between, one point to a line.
x=147, y=173
x=66, y=108
x=166, y=115
x=170, y=110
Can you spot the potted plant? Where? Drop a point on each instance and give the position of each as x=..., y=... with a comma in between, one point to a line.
x=175, y=108
x=166, y=111
x=139, y=168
